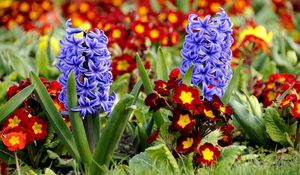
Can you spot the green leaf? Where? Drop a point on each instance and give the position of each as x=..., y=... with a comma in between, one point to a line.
x=76, y=122
x=11, y=105
x=144, y=76
x=148, y=88
x=187, y=77
x=276, y=127
x=229, y=156
x=182, y=5
x=252, y=125
x=213, y=137
x=111, y=134
x=48, y=171
x=155, y=5
x=161, y=66
x=161, y=152
x=232, y=84
x=54, y=116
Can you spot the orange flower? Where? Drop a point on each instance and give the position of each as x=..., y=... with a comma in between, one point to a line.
x=14, y=141
x=288, y=100
x=296, y=109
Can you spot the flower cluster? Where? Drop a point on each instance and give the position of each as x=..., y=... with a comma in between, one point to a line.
x=27, y=13
x=25, y=125
x=207, y=47
x=192, y=118
x=89, y=58
x=268, y=92
x=237, y=7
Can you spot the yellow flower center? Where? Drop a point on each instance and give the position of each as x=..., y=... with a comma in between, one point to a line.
x=259, y=32
x=208, y=154
x=84, y=7
x=20, y=19
x=298, y=108
x=72, y=7
x=46, y=5
x=172, y=18
x=116, y=33
x=183, y=120
x=271, y=95
x=165, y=40
x=123, y=65
x=13, y=122
x=202, y=3
x=14, y=140
x=186, y=97
x=209, y=113
x=24, y=7
x=214, y=7
x=188, y=143
x=139, y=28
x=37, y=128
x=282, y=79
x=222, y=109
x=143, y=10
x=154, y=33
x=271, y=85
x=117, y=3
x=34, y=15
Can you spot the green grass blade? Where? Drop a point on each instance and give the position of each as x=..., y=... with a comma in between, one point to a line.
x=144, y=76
x=54, y=116
x=11, y=105
x=232, y=84
x=182, y=5
x=148, y=88
x=76, y=122
x=187, y=77
x=111, y=134
x=161, y=66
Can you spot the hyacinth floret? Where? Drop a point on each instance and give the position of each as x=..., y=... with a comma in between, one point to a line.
x=89, y=58
x=207, y=47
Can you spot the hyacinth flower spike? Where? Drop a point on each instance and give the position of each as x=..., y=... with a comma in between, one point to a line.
x=207, y=47
x=89, y=58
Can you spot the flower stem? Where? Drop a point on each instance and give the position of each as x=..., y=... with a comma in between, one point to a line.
x=297, y=134
x=17, y=164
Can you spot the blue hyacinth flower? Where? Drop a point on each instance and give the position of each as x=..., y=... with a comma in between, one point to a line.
x=89, y=58
x=207, y=47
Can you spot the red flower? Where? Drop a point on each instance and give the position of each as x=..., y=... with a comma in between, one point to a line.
x=54, y=88
x=296, y=109
x=288, y=100
x=18, y=118
x=155, y=102
x=208, y=154
x=174, y=74
x=139, y=28
x=218, y=105
x=269, y=97
x=182, y=121
x=38, y=127
x=154, y=34
x=161, y=87
x=209, y=112
x=186, y=96
x=187, y=144
x=15, y=141
x=227, y=135
x=123, y=64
